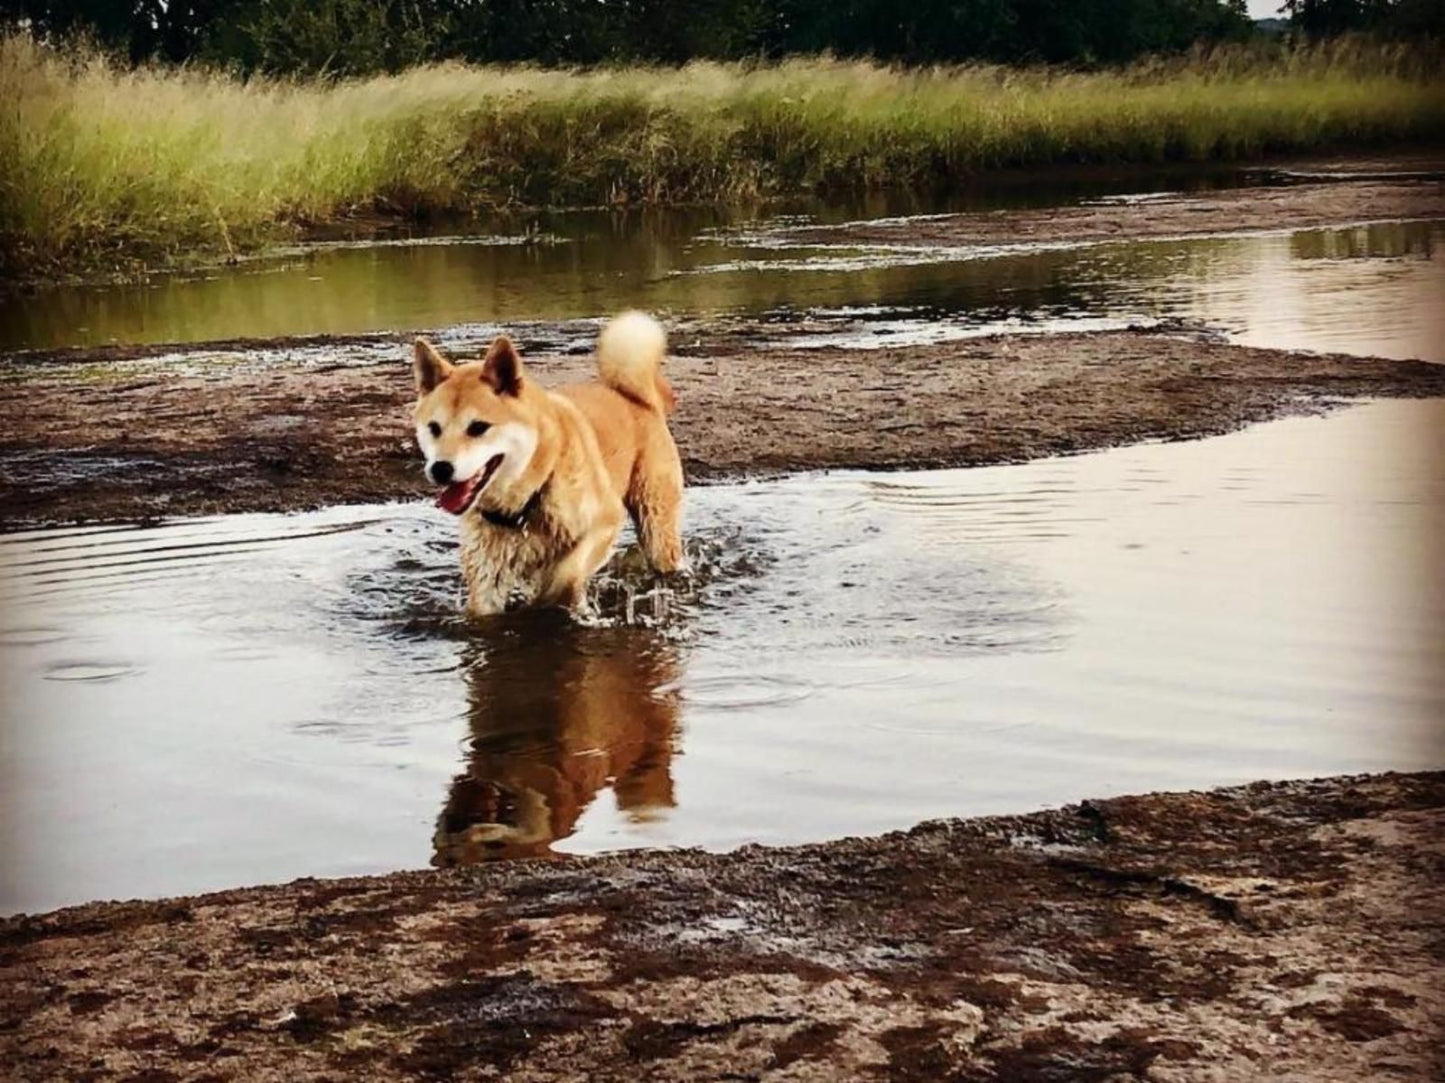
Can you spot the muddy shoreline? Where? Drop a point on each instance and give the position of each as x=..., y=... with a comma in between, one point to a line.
x=1287, y=930
x=1167, y=215
x=139, y=443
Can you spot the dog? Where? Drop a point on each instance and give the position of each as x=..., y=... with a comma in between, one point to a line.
x=541, y=481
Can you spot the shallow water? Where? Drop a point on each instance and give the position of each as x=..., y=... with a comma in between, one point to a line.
x=251, y=698
x=1282, y=289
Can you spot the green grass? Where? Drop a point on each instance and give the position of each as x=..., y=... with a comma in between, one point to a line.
x=103, y=168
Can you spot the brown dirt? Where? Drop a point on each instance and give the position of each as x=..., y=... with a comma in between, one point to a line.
x=1272, y=931
x=1184, y=214
x=79, y=446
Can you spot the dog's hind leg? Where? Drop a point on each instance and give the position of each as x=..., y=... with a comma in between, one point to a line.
x=655, y=501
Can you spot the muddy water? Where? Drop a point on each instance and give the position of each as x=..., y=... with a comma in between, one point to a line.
x=1372, y=289
x=252, y=698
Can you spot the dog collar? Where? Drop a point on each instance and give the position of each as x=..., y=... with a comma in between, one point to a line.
x=517, y=519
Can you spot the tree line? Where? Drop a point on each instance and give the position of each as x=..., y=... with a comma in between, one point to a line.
x=354, y=37
x=1388, y=18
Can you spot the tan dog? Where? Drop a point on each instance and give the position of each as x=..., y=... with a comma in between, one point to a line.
x=541, y=480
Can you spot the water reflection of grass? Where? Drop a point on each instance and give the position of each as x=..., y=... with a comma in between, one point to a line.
x=1390, y=240
x=101, y=167
x=364, y=291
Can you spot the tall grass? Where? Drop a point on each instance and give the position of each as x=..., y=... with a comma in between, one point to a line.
x=105, y=168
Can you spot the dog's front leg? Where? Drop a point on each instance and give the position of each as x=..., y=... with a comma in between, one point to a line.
x=567, y=586
x=486, y=602
x=490, y=574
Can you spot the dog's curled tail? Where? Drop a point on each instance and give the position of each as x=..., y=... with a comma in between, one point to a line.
x=629, y=360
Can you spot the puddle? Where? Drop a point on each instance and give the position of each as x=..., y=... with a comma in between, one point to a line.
x=252, y=698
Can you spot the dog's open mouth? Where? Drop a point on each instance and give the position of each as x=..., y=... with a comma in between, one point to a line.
x=459, y=495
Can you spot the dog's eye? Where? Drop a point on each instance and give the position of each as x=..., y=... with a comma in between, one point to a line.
x=436, y=430
x=476, y=428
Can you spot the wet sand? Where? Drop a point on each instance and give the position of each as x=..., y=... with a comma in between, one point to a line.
x=1269, y=931
x=1178, y=214
x=86, y=444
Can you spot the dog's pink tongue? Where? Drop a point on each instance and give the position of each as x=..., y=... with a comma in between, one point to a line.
x=454, y=497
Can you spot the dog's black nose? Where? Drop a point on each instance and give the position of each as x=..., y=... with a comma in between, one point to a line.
x=441, y=472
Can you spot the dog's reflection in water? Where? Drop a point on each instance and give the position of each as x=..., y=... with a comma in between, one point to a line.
x=558, y=712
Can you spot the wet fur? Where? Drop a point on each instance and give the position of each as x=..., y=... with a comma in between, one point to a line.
x=600, y=451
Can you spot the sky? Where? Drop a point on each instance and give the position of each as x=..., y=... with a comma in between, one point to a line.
x=1264, y=9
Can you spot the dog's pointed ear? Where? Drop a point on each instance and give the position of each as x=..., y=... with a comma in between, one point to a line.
x=503, y=367
x=428, y=367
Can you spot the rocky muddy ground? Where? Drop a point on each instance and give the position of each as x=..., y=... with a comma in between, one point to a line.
x=103, y=434
x=1287, y=931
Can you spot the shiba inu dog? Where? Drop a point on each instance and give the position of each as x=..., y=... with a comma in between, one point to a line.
x=541, y=480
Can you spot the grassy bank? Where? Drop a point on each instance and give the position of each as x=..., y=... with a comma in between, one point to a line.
x=103, y=168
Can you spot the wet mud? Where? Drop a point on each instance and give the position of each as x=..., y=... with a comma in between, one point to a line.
x=92, y=439
x=1287, y=930
x=1159, y=215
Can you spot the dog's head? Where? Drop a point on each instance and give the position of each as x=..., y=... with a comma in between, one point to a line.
x=476, y=423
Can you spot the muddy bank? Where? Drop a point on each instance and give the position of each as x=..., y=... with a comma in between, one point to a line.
x=1175, y=214
x=78, y=446
x=1270, y=931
